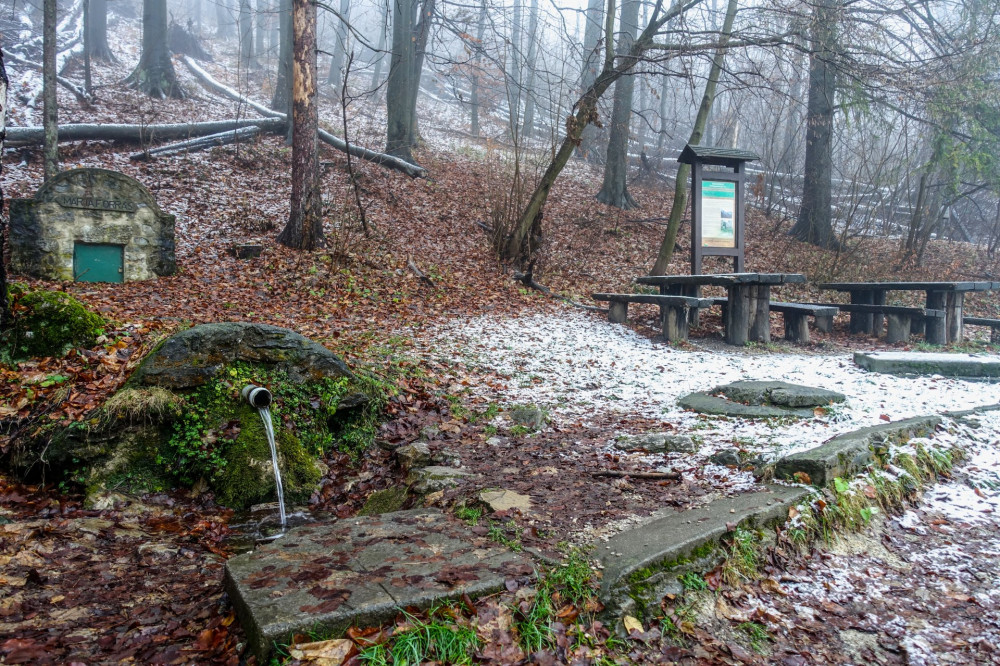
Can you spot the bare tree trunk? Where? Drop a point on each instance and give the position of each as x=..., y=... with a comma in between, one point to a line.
x=4, y=302
x=661, y=136
x=591, y=66
x=304, y=230
x=814, y=224
x=97, y=31
x=679, y=205
x=260, y=27
x=614, y=189
x=154, y=75
x=50, y=111
x=334, y=77
x=87, y=80
x=477, y=61
x=223, y=20
x=380, y=55
x=282, y=99
x=528, y=125
x=248, y=60
x=423, y=31
x=398, y=89
x=514, y=73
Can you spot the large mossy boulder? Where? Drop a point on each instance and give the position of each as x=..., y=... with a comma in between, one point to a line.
x=46, y=323
x=193, y=357
x=180, y=419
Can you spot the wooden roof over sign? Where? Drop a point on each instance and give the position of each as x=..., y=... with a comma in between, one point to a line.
x=730, y=157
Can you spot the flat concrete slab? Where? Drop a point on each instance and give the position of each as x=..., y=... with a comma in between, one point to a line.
x=760, y=399
x=755, y=392
x=847, y=454
x=706, y=403
x=361, y=571
x=916, y=363
x=673, y=536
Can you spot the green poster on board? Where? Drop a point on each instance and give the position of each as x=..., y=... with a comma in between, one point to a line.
x=718, y=213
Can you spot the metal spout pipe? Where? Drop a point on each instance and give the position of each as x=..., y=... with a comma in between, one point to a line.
x=258, y=396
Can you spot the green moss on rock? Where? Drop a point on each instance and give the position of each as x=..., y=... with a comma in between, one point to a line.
x=384, y=501
x=46, y=323
x=247, y=476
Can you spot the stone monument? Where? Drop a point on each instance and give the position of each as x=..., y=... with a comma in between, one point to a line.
x=91, y=225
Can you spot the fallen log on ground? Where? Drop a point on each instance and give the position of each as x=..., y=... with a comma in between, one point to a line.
x=646, y=476
x=81, y=95
x=388, y=161
x=201, y=143
x=528, y=280
x=140, y=133
x=206, y=80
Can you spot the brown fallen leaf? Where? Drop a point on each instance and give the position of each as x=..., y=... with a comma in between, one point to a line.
x=727, y=612
x=632, y=624
x=333, y=652
x=772, y=586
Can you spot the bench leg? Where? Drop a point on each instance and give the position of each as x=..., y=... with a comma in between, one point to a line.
x=861, y=322
x=760, y=313
x=796, y=327
x=824, y=323
x=878, y=298
x=736, y=318
x=675, y=323
x=937, y=330
x=618, y=312
x=899, y=328
x=953, y=317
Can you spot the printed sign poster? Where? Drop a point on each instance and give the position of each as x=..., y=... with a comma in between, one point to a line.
x=718, y=213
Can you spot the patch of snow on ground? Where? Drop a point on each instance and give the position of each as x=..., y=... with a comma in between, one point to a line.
x=576, y=365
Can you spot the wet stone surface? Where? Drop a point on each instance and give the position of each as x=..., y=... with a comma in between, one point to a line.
x=760, y=399
x=361, y=571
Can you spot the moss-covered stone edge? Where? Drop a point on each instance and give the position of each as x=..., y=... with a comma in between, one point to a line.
x=46, y=323
x=841, y=506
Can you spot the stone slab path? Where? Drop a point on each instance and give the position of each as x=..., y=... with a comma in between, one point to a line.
x=361, y=571
x=918, y=363
x=675, y=535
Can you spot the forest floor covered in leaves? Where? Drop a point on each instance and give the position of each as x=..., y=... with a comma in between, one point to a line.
x=138, y=579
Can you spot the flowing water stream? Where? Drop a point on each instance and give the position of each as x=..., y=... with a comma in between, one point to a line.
x=265, y=415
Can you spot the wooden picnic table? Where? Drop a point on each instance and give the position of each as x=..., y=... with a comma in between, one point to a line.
x=748, y=311
x=947, y=296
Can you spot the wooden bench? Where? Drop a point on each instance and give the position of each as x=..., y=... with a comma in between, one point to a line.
x=902, y=321
x=795, y=317
x=994, y=325
x=673, y=310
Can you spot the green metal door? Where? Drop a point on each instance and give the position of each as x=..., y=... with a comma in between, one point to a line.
x=98, y=263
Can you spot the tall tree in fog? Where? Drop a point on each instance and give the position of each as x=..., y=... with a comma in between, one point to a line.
x=614, y=189
x=154, y=75
x=335, y=76
x=592, y=62
x=50, y=110
x=304, y=230
x=409, y=43
x=814, y=223
x=97, y=31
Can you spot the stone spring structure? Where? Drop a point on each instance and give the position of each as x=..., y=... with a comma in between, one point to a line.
x=92, y=225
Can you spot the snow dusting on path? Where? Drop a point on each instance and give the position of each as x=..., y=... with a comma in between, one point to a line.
x=575, y=365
